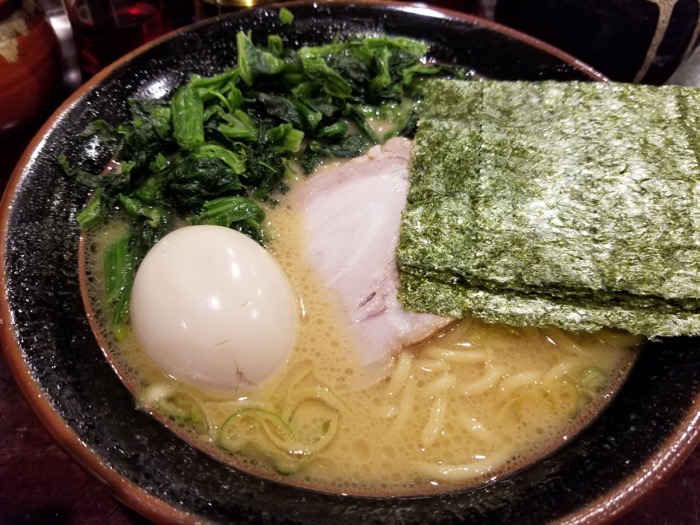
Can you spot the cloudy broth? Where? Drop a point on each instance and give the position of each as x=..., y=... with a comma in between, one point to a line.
x=474, y=403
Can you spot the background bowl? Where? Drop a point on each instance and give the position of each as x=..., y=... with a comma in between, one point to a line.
x=647, y=430
x=628, y=40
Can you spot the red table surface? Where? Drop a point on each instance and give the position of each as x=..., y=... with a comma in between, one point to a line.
x=40, y=484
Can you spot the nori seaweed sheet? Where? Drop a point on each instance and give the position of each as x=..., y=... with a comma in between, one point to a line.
x=550, y=203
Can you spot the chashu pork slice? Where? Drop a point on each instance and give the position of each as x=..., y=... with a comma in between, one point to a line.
x=351, y=217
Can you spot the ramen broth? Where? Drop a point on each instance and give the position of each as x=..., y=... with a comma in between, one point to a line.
x=475, y=402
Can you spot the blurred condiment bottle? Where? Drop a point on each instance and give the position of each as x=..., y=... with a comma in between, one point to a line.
x=208, y=8
x=105, y=30
x=30, y=77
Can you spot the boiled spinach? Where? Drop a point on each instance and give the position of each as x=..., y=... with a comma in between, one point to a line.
x=222, y=143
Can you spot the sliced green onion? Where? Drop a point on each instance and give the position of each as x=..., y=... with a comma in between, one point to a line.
x=179, y=406
x=593, y=380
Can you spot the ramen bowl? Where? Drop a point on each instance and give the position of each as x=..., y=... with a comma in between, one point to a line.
x=646, y=430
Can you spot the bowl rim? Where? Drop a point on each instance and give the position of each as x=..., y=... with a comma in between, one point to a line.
x=613, y=504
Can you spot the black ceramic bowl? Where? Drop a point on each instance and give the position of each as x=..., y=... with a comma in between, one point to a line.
x=628, y=40
x=648, y=430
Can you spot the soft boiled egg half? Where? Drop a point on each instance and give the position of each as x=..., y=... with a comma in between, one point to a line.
x=213, y=308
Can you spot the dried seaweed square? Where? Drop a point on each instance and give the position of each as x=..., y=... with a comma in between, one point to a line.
x=576, y=200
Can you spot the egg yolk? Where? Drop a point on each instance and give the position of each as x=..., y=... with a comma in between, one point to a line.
x=213, y=308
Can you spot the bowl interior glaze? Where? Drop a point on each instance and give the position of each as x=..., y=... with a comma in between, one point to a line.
x=647, y=430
